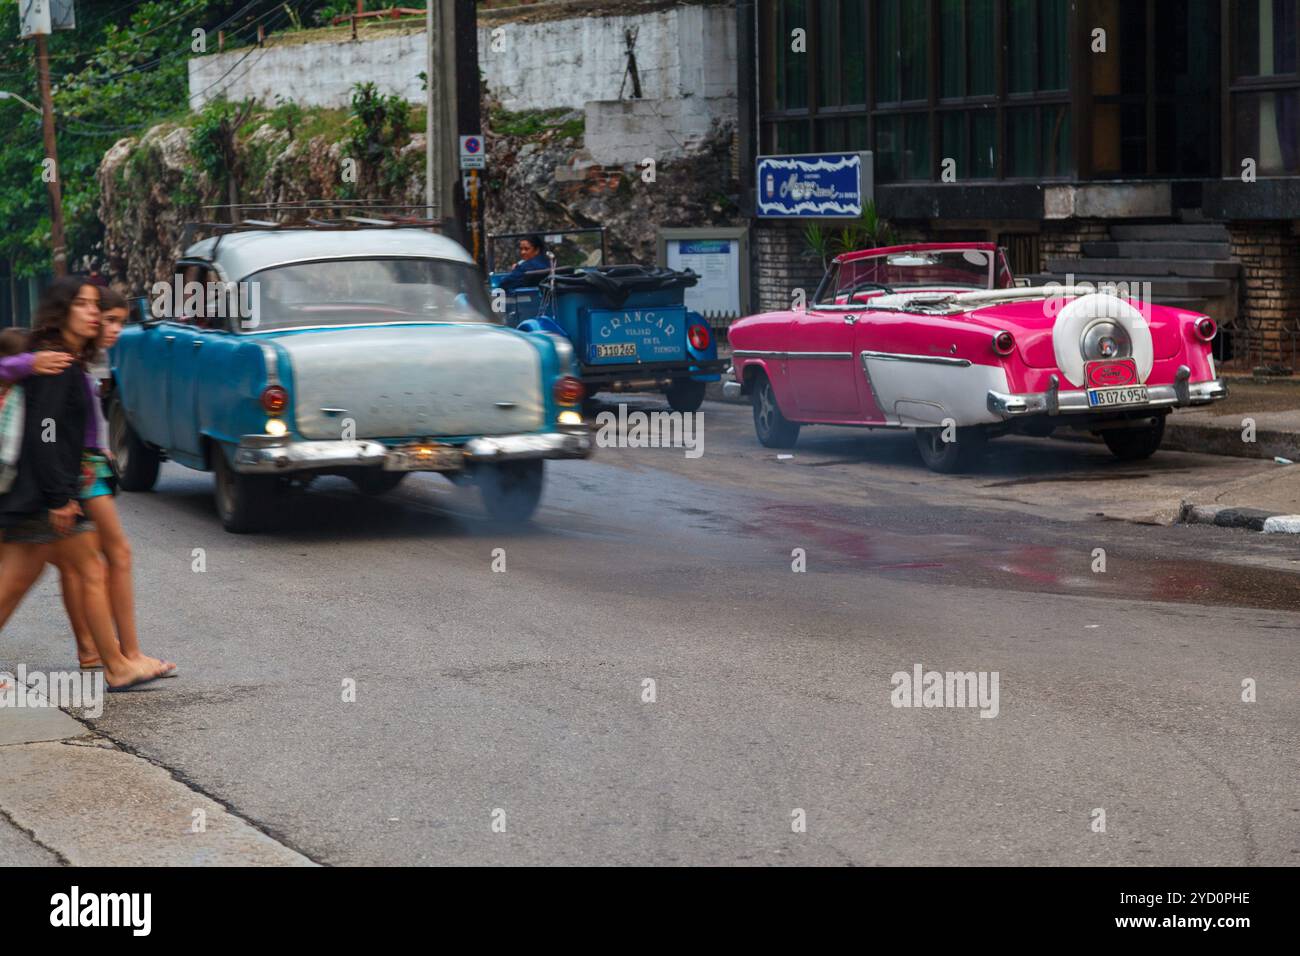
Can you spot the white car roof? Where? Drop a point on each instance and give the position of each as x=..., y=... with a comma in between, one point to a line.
x=240, y=254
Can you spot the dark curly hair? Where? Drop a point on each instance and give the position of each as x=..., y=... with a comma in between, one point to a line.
x=52, y=316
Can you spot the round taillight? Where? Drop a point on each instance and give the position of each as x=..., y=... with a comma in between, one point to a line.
x=274, y=399
x=699, y=337
x=1004, y=343
x=568, y=390
x=1206, y=328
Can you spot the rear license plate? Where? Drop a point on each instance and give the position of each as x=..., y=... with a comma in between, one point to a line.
x=424, y=457
x=1129, y=395
x=621, y=350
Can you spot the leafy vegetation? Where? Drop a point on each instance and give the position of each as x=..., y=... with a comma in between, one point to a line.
x=123, y=70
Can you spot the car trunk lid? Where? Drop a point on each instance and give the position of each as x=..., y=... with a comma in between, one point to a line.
x=403, y=381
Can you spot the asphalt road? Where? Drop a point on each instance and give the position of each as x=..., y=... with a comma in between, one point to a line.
x=523, y=691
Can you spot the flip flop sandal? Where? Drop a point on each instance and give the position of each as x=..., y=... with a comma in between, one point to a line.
x=134, y=685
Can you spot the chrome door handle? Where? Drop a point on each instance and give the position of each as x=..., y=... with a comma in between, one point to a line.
x=850, y=319
x=169, y=338
x=198, y=343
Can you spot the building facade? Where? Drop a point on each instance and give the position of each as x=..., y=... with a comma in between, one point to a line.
x=1113, y=140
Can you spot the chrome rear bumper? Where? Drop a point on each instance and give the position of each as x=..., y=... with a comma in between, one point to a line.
x=264, y=454
x=1055, y=402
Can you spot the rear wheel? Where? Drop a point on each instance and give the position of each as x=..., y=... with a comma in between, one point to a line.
x=375, y=481
x=686, y=395
x=244, y=502
x=1134, y=444
x=137, y=463
x=773, y=429
x=511, y=490
x=950, y=457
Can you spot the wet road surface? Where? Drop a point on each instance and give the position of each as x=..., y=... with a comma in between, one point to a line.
x=649, y=681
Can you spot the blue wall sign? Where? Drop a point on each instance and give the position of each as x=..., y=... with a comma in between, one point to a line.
x=814, y=185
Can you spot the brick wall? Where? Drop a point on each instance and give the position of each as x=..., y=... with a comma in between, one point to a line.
x=1064, y=238
x=783, y=264
x=1268, y=326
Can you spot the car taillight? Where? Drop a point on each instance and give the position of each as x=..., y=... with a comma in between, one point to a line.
x=1206, y=328
x=568, y=390
x=699, y=337
x=1004, y=343
x=274, y=399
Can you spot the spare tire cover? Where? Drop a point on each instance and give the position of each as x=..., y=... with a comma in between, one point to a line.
x=1076, y=316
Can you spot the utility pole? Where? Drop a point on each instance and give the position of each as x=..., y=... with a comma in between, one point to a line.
x=433, y=109
x=52, y=156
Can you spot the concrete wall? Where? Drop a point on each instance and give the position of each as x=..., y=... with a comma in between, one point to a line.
x=683, y=51
x=311, y=74
x=686, y=58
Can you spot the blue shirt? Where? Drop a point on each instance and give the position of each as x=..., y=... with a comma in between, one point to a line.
x=515, y=277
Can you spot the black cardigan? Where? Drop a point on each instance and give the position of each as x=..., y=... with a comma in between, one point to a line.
x=49, y=472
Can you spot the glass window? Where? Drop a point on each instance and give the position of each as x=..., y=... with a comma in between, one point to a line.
x=1021, y=43
x=952, y=130
x=1054, y=126
x=984, y=135
x=953, y=50
x=367, y=291
x=914, y=34
x=980, y=47
x=825, y=50
x=1022, y=143
x=791, y=67
x=832, y=134
x=1053, y=53
x=792, y=137
x=887, y=53
x=1265, y=37
x=1267, y=129
x=853, y=51
x=916, y=146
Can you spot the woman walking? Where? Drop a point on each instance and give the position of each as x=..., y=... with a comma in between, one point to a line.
x=98, y=486
x=40, y=515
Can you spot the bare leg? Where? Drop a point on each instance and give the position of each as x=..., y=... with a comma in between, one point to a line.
x=81, y=552
x=21, y=567
x=102, y=510
x=70, y=586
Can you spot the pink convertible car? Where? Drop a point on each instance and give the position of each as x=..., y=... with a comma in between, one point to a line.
x=936, y=337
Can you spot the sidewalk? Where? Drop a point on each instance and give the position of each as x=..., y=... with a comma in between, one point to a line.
x=1220, y=429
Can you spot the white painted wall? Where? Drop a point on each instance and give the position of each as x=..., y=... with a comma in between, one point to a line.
x=311, y=74
x=686, y=57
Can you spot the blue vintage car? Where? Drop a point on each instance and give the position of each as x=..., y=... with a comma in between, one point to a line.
x=279, y=354
x=628, y=324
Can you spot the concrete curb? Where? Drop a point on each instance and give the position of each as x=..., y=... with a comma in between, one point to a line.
x=1253, y=519
x=1220, y=440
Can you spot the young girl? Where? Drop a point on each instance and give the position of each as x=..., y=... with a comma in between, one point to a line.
x=98, y=485
x=40, y=514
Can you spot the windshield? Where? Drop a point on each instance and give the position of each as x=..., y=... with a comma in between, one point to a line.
x=939, y=269
x=365, y=291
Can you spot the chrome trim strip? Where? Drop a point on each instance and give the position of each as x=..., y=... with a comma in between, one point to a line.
x=923, y=359
x=745, y=353
x=272, y=359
